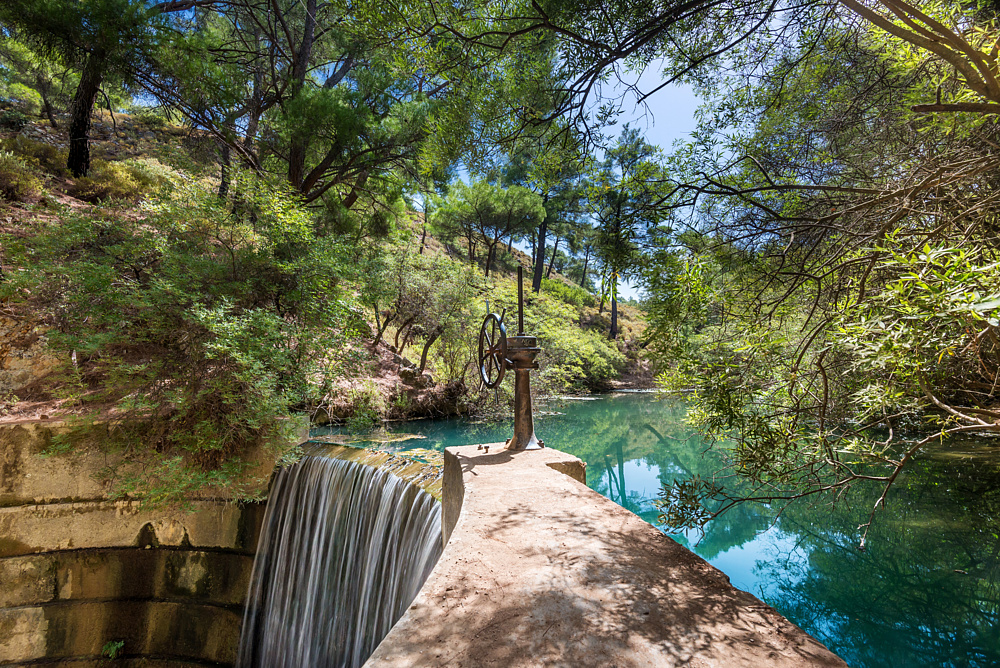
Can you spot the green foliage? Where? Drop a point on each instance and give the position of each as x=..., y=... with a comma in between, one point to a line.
x=32, y=82
x=112, y=648
x=12, y=120
x=570, y=294
x=572, y=359
x=932, y=329
x=151, y=118
x=44, y=157
x=369, y=408
x=420, y=296
x=200, y=322
x=488, y=214
x=128, y=180
x=17, y=183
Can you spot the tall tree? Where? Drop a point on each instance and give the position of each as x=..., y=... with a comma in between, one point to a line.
x=102, y=39
x=552, y=165
x=854, y=245
x=34, y=79
x=491, y=214
x=624, y=200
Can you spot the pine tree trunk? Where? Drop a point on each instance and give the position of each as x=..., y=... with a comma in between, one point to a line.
x=555, y=247
x=427, y=346
x=46, y=103
x=614, y=317
x=300, y=141
x=586, y=261
x=224, y=177
x=384, y=325
x=536, y=281
x=81, y=111
x=399, y=330
x=489, y=257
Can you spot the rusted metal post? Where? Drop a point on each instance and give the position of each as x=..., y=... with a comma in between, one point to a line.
x=520, y=300
x=521, y=353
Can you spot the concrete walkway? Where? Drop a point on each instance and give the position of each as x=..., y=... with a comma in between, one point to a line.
x=542, y=571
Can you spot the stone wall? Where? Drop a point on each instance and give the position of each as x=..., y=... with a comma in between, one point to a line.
x=79, y=571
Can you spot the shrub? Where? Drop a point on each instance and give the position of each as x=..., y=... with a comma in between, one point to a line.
x=45, y=157
x=202, y=321
x=369, y=407
x=128, y=180
x=570, y=294
x=13, y=120
x=150, y=118
x=17, y=183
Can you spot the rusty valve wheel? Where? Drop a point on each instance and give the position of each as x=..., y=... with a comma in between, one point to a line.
x=492, y=350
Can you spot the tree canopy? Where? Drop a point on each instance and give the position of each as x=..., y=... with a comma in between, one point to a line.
x=819, y=259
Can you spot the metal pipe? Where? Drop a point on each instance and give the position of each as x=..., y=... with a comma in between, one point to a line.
x=524, y=423
x=520, y=300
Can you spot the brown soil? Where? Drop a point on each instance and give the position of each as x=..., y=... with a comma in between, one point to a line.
x=402, y=391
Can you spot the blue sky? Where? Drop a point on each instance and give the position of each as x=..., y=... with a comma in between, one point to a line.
x=667, y=117
x=668, y=114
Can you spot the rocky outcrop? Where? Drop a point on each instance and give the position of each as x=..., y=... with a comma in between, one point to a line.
x=24, y=356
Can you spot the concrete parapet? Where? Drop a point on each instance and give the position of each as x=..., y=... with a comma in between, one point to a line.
x=542, y=571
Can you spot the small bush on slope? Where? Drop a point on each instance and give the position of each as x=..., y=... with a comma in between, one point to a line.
x=17, y=183
x=128, y=180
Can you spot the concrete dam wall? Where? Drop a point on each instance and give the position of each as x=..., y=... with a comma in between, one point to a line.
x=79, y=571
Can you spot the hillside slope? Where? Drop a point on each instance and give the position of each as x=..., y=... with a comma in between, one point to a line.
x=421, y=364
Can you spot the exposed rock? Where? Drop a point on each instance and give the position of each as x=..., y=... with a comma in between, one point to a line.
x=412, y=377
x=24, y=354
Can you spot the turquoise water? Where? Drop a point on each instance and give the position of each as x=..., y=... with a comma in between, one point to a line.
x=925, y=591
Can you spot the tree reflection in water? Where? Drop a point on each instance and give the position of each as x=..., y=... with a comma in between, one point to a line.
x=923, y=593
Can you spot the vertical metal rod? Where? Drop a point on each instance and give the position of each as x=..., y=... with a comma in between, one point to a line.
x=520, y=300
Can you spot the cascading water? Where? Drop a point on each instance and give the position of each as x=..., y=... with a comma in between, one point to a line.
x=344, y=549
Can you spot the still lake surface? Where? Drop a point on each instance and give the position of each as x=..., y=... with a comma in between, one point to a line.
x=924, y=592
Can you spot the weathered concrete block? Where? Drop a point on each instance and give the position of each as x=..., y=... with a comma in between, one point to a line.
x=78, y=570
x=92, y=524
x=166, y=629
x=220, y=578
x=28, y=477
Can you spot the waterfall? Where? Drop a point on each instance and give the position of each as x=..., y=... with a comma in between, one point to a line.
x=343, y=551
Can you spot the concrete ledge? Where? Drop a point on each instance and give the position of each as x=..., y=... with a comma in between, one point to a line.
x=159, y=628
x=27, y=477
x=93, y=524
x=542, y=571
x=218, y=578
